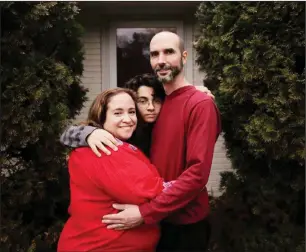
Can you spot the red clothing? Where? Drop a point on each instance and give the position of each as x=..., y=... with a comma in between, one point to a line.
x=182, y=149
x=96, y=183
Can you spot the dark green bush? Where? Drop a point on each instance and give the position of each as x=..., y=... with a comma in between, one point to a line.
x=254, y=57
x=41, y=65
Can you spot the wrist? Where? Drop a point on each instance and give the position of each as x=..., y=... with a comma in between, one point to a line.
x=145, y=210
x=87, y=132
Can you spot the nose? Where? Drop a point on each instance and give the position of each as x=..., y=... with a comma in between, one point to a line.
x=161, y=59
x=150, y=106
x=126, y=118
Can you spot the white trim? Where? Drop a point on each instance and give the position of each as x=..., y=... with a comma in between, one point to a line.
x=188, y=39
x=105, y=57
x=134, y=24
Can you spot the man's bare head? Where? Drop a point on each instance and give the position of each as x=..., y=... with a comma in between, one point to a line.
x=171, y=36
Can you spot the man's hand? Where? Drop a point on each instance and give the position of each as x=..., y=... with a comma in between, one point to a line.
x=205, y=90
x=99, y=138
x=129, y=217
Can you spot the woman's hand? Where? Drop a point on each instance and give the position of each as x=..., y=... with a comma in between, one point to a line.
x=100, y=138
x=205, y=90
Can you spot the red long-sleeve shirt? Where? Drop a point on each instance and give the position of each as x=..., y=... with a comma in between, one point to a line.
x=182, y=149
x=126, y=176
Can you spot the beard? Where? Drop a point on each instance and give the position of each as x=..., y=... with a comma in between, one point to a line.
x=174, y=71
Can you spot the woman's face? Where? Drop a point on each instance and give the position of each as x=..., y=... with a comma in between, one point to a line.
x=121, y=117
x=148, y=105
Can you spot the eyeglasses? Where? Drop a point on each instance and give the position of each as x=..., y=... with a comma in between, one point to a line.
x=146, y=102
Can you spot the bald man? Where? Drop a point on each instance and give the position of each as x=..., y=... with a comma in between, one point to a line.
x=182, y=149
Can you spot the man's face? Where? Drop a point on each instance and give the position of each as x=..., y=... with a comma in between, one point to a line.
x=166, y=58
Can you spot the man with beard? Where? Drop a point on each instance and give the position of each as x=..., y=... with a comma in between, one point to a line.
x=182, y=149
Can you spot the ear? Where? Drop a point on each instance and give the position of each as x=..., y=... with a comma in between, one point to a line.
x=184, y=57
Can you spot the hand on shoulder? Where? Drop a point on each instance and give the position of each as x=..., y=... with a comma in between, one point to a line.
x=99, y=139
x=205, y=90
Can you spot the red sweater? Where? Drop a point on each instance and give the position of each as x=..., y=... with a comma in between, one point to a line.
x=126, y=176
x=183, y=141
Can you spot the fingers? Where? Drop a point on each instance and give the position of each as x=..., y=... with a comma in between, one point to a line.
x=112, y=222
x=211, y=95
x=121, y=229
x=106, y=138
x=95, y=150
x=103, y=148
x=117, y=227
x=208, y=92
x=116, y=217
x=99, y=139
x=205, y=90
x=111, y=144
x=201, y=88
x=95, y=145
x=120, y=206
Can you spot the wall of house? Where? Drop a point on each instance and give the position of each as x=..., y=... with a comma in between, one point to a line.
x=95, y=47
x=92, y=74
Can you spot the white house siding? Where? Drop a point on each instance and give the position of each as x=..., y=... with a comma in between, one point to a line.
x=96, y=48
x=92, y=74
x=220, y=164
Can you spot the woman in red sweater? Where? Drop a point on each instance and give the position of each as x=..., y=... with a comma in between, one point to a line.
x=126, y=177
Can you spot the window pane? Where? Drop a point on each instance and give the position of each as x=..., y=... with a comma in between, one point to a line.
x=133, y=55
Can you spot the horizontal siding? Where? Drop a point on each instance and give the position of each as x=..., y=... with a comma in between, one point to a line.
x=92, y=74
x=220, y=164
x=198, y=76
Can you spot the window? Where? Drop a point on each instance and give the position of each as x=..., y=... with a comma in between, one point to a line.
x=129, y=48
x=133, y=54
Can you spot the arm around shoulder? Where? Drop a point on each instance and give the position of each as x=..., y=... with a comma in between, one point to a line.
x=76, y=135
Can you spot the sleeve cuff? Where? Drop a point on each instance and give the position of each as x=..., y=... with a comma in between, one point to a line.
x=145, y=211
x=85, y=133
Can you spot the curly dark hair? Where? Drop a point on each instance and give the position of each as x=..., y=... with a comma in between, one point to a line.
x=142, y=135
x=148, y=80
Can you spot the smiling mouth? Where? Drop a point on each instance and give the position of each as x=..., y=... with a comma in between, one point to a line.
x=163, y=71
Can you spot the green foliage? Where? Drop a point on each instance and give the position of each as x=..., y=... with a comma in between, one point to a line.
x=41, y=65
x=254, y=57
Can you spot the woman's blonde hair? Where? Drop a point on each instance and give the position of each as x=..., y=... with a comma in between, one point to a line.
x=97, y=112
